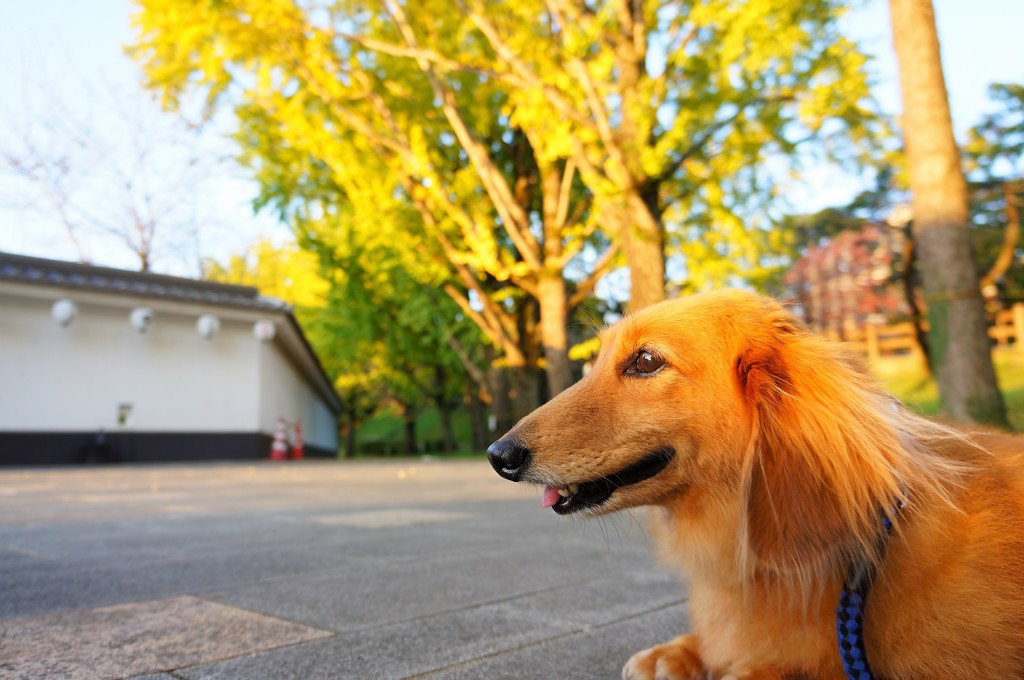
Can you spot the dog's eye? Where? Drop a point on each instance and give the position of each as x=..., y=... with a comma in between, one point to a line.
x=645, y=363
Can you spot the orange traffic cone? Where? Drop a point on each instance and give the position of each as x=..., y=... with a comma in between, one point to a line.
x=297, y=443
x=279, y=449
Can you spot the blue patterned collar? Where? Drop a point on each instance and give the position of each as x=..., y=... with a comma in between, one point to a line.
x=850, y=612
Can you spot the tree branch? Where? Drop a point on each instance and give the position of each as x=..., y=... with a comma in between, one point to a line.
x=513, y=216
x=418, y=53
x=523, y=77
x=1010, y=237
x=472, y=370
x=493, y=320
x=587, y=285
x=564, y=194
x=704, y=138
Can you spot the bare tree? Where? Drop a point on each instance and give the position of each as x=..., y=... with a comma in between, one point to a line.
x=123, y=172
x=960, y=351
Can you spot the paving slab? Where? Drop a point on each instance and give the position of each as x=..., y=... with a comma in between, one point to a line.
x=390, y=570
x=598, y=652
x=139, y=637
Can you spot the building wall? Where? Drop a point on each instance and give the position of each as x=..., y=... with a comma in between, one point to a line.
x=190, y=398
x=75, y=378
x=285, y=395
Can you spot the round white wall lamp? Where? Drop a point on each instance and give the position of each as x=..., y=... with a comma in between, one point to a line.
x=264, y=330
x=142, y=318
x=208, y=325
x=64, y=312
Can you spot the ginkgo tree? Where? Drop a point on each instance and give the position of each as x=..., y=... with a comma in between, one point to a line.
x=670, y=108
x=286, y=272
x=372, y=138
x=518, y=149
x=352, y=218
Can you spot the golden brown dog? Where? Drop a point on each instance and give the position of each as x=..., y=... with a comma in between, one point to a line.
x=770, y=458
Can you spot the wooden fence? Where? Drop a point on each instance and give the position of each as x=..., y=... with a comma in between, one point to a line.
x=877, y=340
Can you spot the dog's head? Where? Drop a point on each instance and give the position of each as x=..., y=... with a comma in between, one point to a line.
x=663, y=399
x=723, y=397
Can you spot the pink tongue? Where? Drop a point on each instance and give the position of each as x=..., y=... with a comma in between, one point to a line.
x=550, y=497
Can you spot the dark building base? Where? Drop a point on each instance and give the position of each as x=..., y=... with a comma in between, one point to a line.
x=61, y=448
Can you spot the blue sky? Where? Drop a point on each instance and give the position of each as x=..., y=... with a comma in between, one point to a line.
x=980, y=42
x=49, y=49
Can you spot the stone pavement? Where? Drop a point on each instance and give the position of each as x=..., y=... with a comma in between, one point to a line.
x=316, y=570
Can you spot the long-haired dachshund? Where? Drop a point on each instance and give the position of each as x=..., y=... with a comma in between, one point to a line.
x=783, y=482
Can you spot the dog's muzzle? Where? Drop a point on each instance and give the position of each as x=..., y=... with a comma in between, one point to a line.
x=508, y=458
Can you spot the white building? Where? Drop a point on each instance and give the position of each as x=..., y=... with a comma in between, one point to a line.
x=99, y=363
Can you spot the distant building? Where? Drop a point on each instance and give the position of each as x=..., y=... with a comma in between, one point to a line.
x=849, y=279
x=101, y=364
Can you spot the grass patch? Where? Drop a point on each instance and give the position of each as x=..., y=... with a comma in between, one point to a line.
x=461, y=454
x=905, y=377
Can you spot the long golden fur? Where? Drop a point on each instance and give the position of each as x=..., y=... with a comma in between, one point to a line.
x=785, y=455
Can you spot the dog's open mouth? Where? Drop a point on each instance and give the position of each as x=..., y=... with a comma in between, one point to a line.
x=576, y=497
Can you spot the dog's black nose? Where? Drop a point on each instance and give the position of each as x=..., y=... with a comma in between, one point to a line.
x=508, y=458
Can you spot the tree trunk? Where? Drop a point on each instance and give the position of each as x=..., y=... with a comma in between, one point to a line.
x=444, y=409
x=643, y=234
x=643, y=241
x=500, y=407
x=409, y=421
x=447, y=432
x=479, y=432
x=553, y=314
x=350, y=433
x=555, y=192
x=524, y=391
x=528, y=386
x=910, y=293
x=958, y=338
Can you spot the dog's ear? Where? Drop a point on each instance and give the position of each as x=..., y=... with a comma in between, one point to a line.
x=829, y=452
x=796, y=513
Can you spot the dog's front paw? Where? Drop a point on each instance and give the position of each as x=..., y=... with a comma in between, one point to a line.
x=674, y=660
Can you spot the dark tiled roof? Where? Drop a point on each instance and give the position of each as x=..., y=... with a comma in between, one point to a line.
x=43, y=272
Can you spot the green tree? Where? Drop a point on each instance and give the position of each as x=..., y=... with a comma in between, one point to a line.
x=960, y=355
x=375, y=329
x=995, y=145
x=353, y=363
x=391, y=333
x=409, y=342
x=995, y=164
